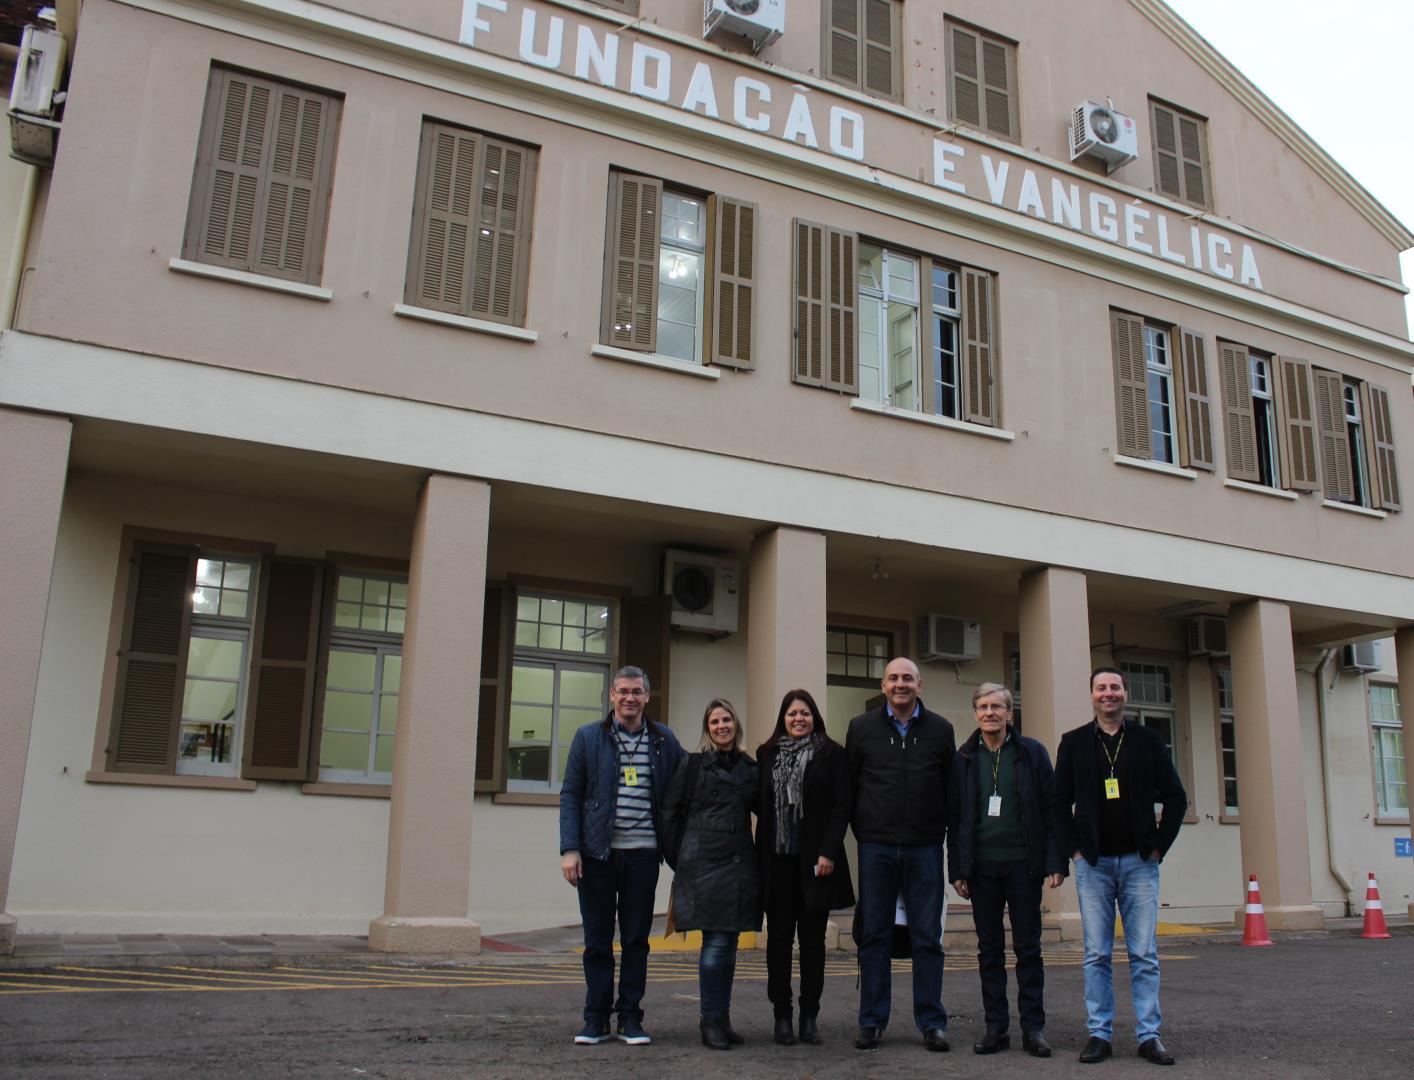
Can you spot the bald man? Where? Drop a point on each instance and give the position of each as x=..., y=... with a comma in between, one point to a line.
x=900, y=757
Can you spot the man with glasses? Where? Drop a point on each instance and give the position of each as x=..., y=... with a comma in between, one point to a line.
x=610, y=848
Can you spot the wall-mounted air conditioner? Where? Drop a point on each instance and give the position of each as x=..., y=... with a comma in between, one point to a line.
x=947, y=637
x=1362, y=656
x=760, y=21
x=1101, y=132
x=705, y=591
x=1207, y=636
x=34, y=96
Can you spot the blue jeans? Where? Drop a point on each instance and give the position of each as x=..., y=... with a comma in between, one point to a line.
x=915, y=872
x=716, y=968
x=1131, y=884
x=622, y=885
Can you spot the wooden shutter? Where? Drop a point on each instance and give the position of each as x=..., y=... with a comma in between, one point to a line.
x=502, y=232
x=1239, y=420
x=489, y=712
x=645, y=639
x=1334, y=441
x=1379, y=438
x=1190, y=149
x=841, y=312
x=963, y=49
x=808, y=348
x=631, y=281
x=1179, y=170
x=1167, y=175
x=999, y=95
x=1131, y=385
x=982, y=77
x=979, y=348
x=881, y=47
x=842, y=39
x=1196, y=400
x=1297, y=424
x=733, y=282
x=446, y=181
x=296, y=185
x=152, y=660
x=287, y=648
x=230, y=165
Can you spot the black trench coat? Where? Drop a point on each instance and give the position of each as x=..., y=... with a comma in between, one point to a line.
x=827, y=800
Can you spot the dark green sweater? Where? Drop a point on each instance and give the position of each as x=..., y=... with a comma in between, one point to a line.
x=999, y=839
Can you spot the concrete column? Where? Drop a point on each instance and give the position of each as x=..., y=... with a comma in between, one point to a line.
x=427, y=894
x=785, y=624
x=1271, y=764
x=1054, y=623
x=34, y=462
x=1404, y=660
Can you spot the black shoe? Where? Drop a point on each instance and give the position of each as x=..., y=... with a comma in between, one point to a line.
x=1035, y=1044
x=936, y=1039
x=631, y=1031
x=1096, y=1050
x=714, y=1035
x=785, y=1031
x=809, y=1031
x=1153, y=1051
x=991, y=1042
x=868, y=1039
x=593, y=1033
x=732, y=1036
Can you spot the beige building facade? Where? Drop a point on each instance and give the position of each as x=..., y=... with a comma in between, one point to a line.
x=379, y=384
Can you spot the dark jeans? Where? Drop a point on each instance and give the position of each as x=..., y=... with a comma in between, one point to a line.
x=787, y=916
x=915, y=873
x=716, y=967
x=1009, y=885
x=622, y=885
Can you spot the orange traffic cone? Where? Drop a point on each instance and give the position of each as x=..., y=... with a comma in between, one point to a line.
x=1254, y=931
x=1374, y=912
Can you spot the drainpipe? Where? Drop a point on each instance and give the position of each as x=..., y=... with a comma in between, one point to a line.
x=1321, y=723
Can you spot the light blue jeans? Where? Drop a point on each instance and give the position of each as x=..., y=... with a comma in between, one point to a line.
x=1131, y=884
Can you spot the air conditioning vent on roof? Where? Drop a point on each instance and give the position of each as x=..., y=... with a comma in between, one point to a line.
x=1100, y=132
x=759, y=21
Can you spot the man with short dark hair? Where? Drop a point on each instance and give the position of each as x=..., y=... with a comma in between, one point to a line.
x=1109, y=774
x=900, y=756
x=611, y=846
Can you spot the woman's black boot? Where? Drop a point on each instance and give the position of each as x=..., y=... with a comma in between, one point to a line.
x=785, y=1031
x=714, y=1037
x=809, y=1031
x=730, y=1032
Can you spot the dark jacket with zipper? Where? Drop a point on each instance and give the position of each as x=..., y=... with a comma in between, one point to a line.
x=826, y=801
x=900, y=782
x=1033, y=779
x=1146, y=776
x=707, y=841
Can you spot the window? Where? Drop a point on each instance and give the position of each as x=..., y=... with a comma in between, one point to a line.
x=1180, y=154
x=862, y=45
x=1391, y=784
x=559, y=682
x=1353, y=432
x=264, y=169
x=1161, y=397
x=359, y=712
x=661, y=293
x=1227, y=741
x=893, y=327
x=470, y=245
x=982, y=81
x=215, y=663
x=857, y=653
x=1152, y=703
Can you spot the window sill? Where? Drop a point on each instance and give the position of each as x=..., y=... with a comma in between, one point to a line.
x=363, y=791
x=258, y=281
x=462, y=322
x=1261, y=489
x=1350, y=508
x=1229, y=819
x=864, y=405
x=655, y=360
x=524, y=798
x=220, y=783
x=1156, y=466
x=1398, y=820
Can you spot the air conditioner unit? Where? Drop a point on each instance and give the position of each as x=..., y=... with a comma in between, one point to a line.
x=705, y=591
x=1102, y=133
x=38, y=69
x=1207, y=636
x=1362, y=656
x=947, y=637
x=760, y=21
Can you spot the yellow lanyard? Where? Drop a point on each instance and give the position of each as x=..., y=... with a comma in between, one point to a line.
x=1113, y=758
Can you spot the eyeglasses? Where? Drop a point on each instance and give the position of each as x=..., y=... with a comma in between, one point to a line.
x=990, y=708
x=635, y=692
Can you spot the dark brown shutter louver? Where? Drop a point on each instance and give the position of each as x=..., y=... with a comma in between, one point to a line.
x=842, y=57
x=966, y=78
x=1239, y=422
x=880, y=48
x=1334, y=440
x=978, y=320
x=449, y=181
x=1190, y=146
x=631, y=308
x=1298, y=424
x=500, y=230
x=842, y=369
x=152, y=661
x=733, y=307
x=1384, y=481
x=1197, y=401
x=808, y=348
x=233, y=179
x=998, y=96
x=1179, y=168
x=1131, y=386
x=292, y=194
x=1166, y=170
x=278, y=735
x=488, y=710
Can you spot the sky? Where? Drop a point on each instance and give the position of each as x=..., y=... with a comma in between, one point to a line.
x=1341, y=71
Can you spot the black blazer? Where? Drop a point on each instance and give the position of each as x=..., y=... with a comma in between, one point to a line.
x=1146, y=776
x=1033, y=781
x=827, y=800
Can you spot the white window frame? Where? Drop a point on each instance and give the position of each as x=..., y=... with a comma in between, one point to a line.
x=1227, y=734
x=1355, y=435
x=1158, y=372
x=883, y=298
x=1264, y=419
x=950, y=317
x=671, y=253
x=1386, y=732
x=222, y=628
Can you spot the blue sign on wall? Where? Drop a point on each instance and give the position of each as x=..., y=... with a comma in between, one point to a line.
x=1403, y=847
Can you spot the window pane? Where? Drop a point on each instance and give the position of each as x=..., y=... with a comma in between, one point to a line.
x=392, y=674
x=583, y=688
x=396, y=619
x=574, y=614
x=208, y=572
x=871, y=267
x=383, y=754
x=858, y=644
x=351, y=670
x=374, y=618
x=398, y=593
x=596, y=641
x=350, y=588
x=857, y=667
x=388, y=713
x=346, y=616
x=527, y=633
x=375, y=592
x=528, y=607
x=214, y=657
x=345, y=710
x=903, y=277
x=573, y=639
x=233, y=603
x=206, y=601
x=549, y=636
x=834, y=641
x=208, y=700
x=342, y=750
x=532, y=684
x=212, y=743
x=834, y=664
x=237, y=576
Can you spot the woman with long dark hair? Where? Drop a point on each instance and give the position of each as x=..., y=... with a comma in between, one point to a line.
x=804, y=809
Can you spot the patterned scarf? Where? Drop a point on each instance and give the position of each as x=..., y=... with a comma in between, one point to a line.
x=787, y=782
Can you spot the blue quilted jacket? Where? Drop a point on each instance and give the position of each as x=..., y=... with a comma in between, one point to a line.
x=591, y=786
